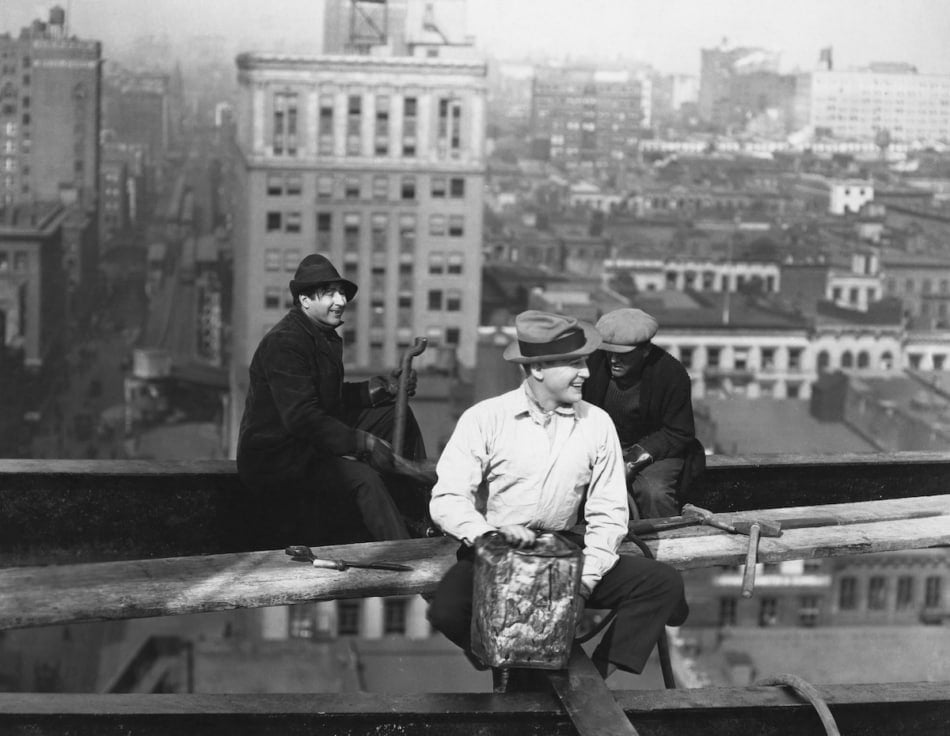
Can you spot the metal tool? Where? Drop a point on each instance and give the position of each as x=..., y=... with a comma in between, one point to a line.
x=301, y=553
x=402, y=394
x=755, y=529
x=691, y=516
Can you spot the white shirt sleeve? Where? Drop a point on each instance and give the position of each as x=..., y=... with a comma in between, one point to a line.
x=460, y=470
x=606, y=511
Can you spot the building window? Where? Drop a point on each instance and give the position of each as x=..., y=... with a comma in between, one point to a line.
x=453, y=300
x=354, y=124
x=324, y=228
x=301, y=624
x=293, y=185
x=274, y=222
x=272, y=259
x=436, y=224
x=292, y=222
x=768, y=611
x=808, y=609
x=454, y=266
x=449, y=131
x=768, y=359
x=438, y=187
x=348, y=617
x=848, y=593
x=351, y=232
x=275, y=185
x=285, y=124
x=456, y=226
x=407, y=233
x=378, y=233
x=436, y=263
x=381, y=188
x=291, y=259
x=457, y=187
x=435, y=300
x=713, y=356
x=938, y=360
x=325, y=126
x=351, y=187
x=877, y=593
x=409, y=127
x=933, y=592
x=727, y=611
x=795, y=359
x=453, y=335
x=325, y=187
x=272, y=296
x=394, y=615
x=905, y=592
x=377, y=311
x=408, y=189
x=381, y=145
x=793, y=390
x=686, y=356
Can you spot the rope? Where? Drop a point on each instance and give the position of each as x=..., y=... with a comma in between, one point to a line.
x=662, y=644
x=808, y=692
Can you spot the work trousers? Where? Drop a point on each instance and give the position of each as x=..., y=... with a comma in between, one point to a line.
x=653, y=489
x=646, y=595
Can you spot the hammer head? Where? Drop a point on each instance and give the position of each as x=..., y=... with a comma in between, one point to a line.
x=766, y=528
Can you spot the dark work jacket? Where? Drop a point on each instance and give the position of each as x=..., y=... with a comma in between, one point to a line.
x=665, y=401
x=295, y=404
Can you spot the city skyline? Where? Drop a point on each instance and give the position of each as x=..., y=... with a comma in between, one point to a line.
x=860, y=32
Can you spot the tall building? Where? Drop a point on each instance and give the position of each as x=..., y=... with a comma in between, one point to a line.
x=588, y=117
x=378, y=163
x=735, y=82
x=49, y=129
x=861, y=104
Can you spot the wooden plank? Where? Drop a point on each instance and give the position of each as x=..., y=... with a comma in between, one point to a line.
x=899, y=709
x=587, y=700
x=37, y=596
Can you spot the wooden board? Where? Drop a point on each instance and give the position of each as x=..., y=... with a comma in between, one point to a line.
x=38, y=596
x=899, y=709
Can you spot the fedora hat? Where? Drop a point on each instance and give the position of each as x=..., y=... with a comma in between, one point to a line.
x=624, y=329
x=542, y=336
x=316, y=269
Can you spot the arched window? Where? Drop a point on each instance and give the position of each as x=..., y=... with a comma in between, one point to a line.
x=864, y=360
x=847, y=360
x=824, y=360
x=887, y=361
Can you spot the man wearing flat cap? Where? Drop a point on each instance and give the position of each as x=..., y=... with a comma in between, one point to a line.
x=539, y=458
x=312, y=447
x=648, y=395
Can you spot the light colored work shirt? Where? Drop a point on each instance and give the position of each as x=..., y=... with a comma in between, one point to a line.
x=502, y=466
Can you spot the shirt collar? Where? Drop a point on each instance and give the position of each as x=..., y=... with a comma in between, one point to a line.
x=524, y=404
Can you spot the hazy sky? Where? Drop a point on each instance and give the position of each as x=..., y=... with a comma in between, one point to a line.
x=666, y=33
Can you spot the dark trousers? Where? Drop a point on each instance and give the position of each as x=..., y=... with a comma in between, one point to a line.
x=654, y=490
x=646, y=595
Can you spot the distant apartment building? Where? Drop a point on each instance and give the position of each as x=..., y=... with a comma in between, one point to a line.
x=831, y=195
x=586, y=117
x=739, y=83
x=32, y=282
x=377, y=163
x=861, y=104
x=922, y=283
x=139, y=110
x=49, y=114
x=703, y=275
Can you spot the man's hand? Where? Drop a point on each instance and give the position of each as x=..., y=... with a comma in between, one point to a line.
x=377, y=453
x=411, y=382
x=518, y=535
x=635, y=459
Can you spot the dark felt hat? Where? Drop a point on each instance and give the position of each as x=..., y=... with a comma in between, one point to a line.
x=543, y=336
x=315, y=270
x=624, y=329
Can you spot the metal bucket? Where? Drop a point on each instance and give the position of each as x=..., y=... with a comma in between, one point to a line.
x=524, y=602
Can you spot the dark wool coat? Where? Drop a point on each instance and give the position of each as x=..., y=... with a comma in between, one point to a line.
x=665, y=401
x=296, y=401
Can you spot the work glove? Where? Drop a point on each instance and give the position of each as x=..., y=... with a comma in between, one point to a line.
x=376, y=453
x=383, y=389
x=635, y=459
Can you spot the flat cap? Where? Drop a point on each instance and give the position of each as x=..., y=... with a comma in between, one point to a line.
x=624, y=329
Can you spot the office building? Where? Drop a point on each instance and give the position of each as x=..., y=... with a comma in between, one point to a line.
x=862, y=104
x=377, y=163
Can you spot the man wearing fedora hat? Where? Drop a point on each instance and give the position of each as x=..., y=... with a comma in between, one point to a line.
x=539, y=458
x=647, y=393
x=313, y=448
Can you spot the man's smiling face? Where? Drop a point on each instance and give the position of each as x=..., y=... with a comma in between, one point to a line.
x=327, y=304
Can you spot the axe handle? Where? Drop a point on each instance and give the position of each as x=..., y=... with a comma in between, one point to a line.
x=748, y=576
x=402, y=394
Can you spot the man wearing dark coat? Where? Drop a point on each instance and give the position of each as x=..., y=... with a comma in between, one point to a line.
x=314, y=449
x=648, y=394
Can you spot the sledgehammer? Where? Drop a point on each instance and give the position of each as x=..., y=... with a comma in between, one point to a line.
x=755, y=529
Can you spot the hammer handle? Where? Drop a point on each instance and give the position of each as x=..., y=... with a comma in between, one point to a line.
x=748, y=577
